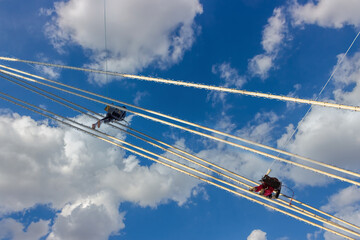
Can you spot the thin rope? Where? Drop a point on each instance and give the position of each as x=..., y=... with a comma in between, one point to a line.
x=318, y=96
x=195, y=85
x=169, y=117
x=208, y=181
x=198, y=133
x=106, y=51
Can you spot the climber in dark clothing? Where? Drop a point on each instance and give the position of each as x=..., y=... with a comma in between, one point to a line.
x=113, y=114
x=268, y=186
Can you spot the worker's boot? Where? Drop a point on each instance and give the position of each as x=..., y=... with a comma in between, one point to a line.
x=93, y=126
x=262, y=191
x=98, y=123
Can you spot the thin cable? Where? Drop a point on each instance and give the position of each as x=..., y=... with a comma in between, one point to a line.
x=318, y=96
x=195, y=85
x=105, y=40
x=169, y=117
x=212, y=183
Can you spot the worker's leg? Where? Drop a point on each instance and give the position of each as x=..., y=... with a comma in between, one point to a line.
x=256, y=189
x=268, y=191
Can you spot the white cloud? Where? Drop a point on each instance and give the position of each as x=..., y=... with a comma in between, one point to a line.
x=260, y=65
x=229, y=74
x=139, y=33
x=87, y=219
x=327, y=13
x=345, y=205
x=46, y=71
x=273, y=36
x=260, y=128
x=84, y=178
x=244, y=163
x=232, y=80
x=225, y=123
x=291, y=105
x=257, y=234
x=274, y=32
x=331, y=135
x=10, y=229
x=348, y=75
x=314, y=236
x=139, y=96
x=326, y=135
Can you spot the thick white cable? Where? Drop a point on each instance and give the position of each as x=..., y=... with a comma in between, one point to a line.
x=184, y=152
x=172, y=118
x=134, y=135
x=195, y=85
x=197, y=171
x=203, y=179
x=195, y=132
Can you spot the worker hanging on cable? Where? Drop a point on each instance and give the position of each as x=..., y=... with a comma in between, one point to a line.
x=113, y=114
x=268, y=186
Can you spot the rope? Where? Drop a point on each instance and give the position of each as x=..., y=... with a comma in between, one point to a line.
x=172, y=118
x=200, y=178
x=195, y=85
x=106, y=51
x=318, y=96
x=196, y=132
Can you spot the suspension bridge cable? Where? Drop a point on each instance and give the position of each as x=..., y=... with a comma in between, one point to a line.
x=134, y=135
x=302, y=210
x=216, y=166
x=315, y=209
x=169, y=117
x=195, y=85
x=195, y=125
x=208, y=181
x=196, y=132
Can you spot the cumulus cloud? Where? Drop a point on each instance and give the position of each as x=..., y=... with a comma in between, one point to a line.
x=257, y=234
x=260, y=128
x=230, y=76
x=83, y=178
x=326, y=135
x=139, y=96
x=346, y=80
x=273, y=36
x=313, y=236
x=293, y=93
x=139, y=33
x=10, y=229
x=46, y=71
x=345, y=205
x=260, y=65
x=331, y=135
x=327, y=13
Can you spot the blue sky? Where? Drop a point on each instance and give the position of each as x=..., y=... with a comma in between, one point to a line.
x=56, y=183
